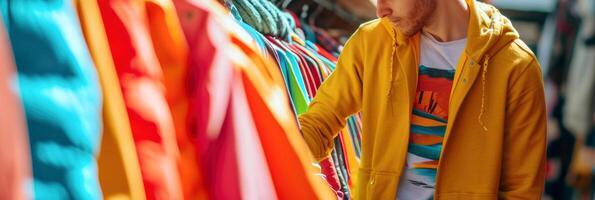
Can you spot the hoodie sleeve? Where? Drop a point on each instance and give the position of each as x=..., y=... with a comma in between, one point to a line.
x=338, y=97
x=524, y=156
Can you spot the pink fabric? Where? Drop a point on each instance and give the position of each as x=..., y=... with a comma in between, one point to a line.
x=15, y=166
x=330, y=173
x=233, y=161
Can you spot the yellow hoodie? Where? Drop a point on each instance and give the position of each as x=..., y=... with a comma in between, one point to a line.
x=494, y=145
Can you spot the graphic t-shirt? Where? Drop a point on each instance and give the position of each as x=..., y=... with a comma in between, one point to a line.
x=429, y=116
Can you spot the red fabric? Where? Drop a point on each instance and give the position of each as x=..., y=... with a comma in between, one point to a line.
x=140, y=76
x=435, y=93
x=310, y=88
x=315, y=75
x=330, y=173
x=326, y=54
x=306, y=75
x=172, y=51
x=297, y=21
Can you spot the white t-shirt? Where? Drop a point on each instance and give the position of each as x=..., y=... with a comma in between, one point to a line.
x=438, y=62
x=440, y=55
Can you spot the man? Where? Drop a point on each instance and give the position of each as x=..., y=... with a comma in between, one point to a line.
x=452, y=103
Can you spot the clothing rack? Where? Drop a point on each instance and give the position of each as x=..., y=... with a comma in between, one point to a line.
x=330, y=5
x=339, y=11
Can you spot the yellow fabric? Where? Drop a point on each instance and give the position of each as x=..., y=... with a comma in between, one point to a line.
x=119, y=170
x=504, y=160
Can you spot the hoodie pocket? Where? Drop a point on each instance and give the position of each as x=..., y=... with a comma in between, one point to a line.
x=378, y=185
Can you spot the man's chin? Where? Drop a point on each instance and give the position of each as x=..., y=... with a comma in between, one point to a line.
x=408, y=31
x=405, y=28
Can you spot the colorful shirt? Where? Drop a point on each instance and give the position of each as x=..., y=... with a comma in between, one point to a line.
x=429, y=117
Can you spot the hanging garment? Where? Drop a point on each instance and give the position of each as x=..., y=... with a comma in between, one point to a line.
x=351, y=157
x=227, y=142
x=61, y=97
x=285, y=153
x=326, y=41
x=579, y=110
x=15, y=168
x=341, y=166
x=119, y=170
x=347, y=161
x=289, y=64
x=306, y=64
x=340, y=174
x=172, y=51
x=268, y=50
x=355, y=129
x=141, y=79
x=331, y=176
x=314, y=68
x=326, y=54
x=303, y=70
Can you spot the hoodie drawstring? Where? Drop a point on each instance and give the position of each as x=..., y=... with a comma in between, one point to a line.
x=392, y=60
x=483, y=110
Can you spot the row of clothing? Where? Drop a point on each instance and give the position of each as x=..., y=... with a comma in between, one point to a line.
x=306, y=57
x=161, y=99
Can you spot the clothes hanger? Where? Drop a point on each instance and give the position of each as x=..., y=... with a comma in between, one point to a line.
x=285, y=4
x=311, y=19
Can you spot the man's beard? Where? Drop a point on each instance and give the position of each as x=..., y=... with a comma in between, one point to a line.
x=417, y=18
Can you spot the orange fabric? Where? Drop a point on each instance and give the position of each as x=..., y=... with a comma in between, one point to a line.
x=428, y=165
x=172, y=51
x=286, y=151
x=426, y=99
x=119, y=170
x=15, y=164
x=426, y=121
x=351, y=157
x=141, y=76
x=423, y=139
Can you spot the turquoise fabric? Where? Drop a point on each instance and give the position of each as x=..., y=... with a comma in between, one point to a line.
x=61, y=97
x=294, y=80
x=297, y=73
x=256, y=36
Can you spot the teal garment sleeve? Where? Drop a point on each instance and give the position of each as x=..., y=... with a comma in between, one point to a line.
x=298, y=94
x=60, y=94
